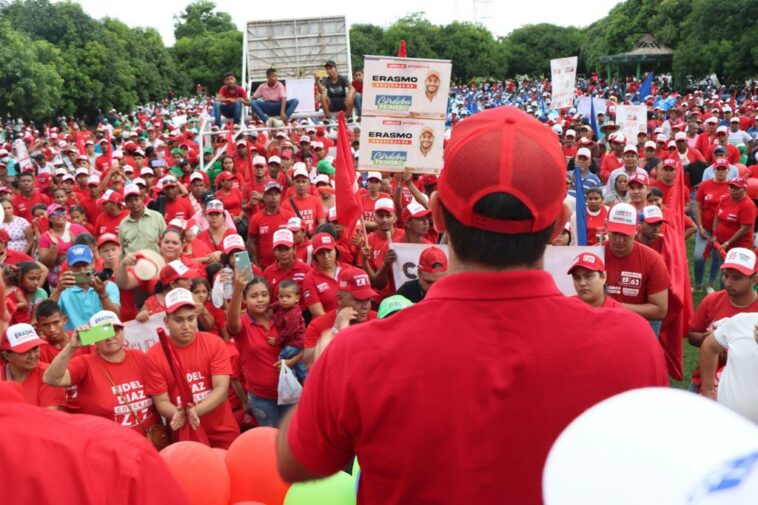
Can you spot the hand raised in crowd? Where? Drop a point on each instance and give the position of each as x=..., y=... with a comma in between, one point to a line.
x=129, y=260
x=66, y=280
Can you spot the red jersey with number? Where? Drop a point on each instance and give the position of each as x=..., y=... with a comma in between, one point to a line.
x=119, y=401
x=731, y=216
x=633, y=278
x=203, y=358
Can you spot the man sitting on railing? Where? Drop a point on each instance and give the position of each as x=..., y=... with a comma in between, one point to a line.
x=270, y=99
x=229, y=100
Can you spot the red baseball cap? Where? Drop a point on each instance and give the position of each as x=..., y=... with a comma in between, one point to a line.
x=639, y=178
x=178, y=298
x=488, y=154
x=112, y=197
x=587, y=260
x=721, y=163
x=622, y=218
x=432, y=260
x=20, y=338
x=740, y=182
x=740, y=259
x=173, y=272
x=321, y=241
x=224, y=176
x=232, y=243
x=107, y=237
x=4, y=237
x=356, y=281
x=413, y=210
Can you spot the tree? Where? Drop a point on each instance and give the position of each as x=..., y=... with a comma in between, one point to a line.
x=200, y=18
x=30, y=86
x=472, y=50
x=365, y=39
x=529, y=49
x=421, y=36
x=205, y=59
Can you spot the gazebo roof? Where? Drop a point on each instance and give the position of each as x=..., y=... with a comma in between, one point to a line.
x=647, y=49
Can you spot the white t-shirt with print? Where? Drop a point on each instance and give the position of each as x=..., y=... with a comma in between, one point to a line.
x=738, y=387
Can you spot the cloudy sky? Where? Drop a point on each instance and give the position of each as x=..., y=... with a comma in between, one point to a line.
x=501, y=17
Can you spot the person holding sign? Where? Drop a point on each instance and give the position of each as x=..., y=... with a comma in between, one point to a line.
x=376, y=390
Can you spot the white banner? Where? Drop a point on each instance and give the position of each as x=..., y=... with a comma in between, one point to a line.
x=22, y=156
x=563, y=80
x=557, y=262
x=583, y=106
x=631, y=119
x=302, y=89
x=143, y=336
x=392, y=144
x=406, y=87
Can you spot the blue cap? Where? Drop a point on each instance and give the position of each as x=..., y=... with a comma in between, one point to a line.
x=79, y=254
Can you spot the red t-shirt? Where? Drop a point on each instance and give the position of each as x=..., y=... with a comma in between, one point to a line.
x=22, y=205
x=97, y=396
x=665, y=188
x=232, y=201
x=310, y=208
x=235, y=92
x=368, y=204
x=374, y=395
x=262, y=228
x=320, y=288
x=258, y=357
x=595, y=223
x=609, y=164
x=205, y=237
x=709, y=195
x=35, y=391
x=105, y=223
x=91, y=208
x=731, y=216
x=181, y=208
x=234, y=359
x=632, y=278
x=203, y=358
x=321, y=324
x=377, y=242
x=274, y=275
x=129, y=470
x=15, y=257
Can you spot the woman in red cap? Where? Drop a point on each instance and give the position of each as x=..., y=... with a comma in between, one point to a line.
x=588, y=272
x=320, y=285
x=174, y=275
x=54, y=243
x=217, y=230
x=229, y=195
x=21, y=364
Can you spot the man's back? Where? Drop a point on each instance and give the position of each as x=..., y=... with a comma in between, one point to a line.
x=459, y=398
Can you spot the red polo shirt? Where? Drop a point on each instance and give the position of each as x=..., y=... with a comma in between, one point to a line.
x=258, y=357
x=639, y=274
x=22, y=205
x=181, y=208
x=499, y=354
x=731, y=216
x=262, y=228
x=321, y=324
x=105, y=223
x=274, y=274
x=320, y=288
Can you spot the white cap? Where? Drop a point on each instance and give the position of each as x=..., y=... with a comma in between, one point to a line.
x=570, y=133
x=214, y=206
x=275, y=159
x=680, y=136
x=726, y=108
x=128, y=168
x=93, y=179
x=622, y=218
x=722, y=129
x=661, y=138
x=294, y=224
x=384, y=204
x=652, y=214
x=305, y=138
x=283, y=236
x=81, y=171
x=139, y=180
x=232, y=243
x=60, y=172
x=259, y=160
x=131, y=189
x=583, y=151
x=147, y=170
x=740, y=259
x=105, y=317
x=671, y=144
x=630, y=148
x=735, y=119
x=300, y=170
x=196, y=176
x=21, y=338
x=178, y=298
x=639, y=447
x=711, y=120
x=67, y=177
x=323, y=178
x=374, y=175
x=650, y=145
x=317, y=145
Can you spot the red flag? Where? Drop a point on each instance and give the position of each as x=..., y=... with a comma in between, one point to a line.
x=185, y=432
x=80, y=144
x=402, y=53
x=676, y=323
x=732, y=103
x=110, y=148
x=230, y=141
x=348, y=207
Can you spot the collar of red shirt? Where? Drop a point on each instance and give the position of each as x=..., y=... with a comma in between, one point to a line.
x=490, y=286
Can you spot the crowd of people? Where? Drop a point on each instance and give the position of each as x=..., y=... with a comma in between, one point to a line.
x=238, y=251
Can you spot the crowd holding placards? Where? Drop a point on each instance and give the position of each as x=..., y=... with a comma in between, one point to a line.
x=241, y=246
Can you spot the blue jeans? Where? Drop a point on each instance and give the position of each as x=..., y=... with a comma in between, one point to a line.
x=358, y=102
x=656, y=326
x=265, y=109
x=266, y=412
x=289, y=351
x=699, y=267
x=230, y=110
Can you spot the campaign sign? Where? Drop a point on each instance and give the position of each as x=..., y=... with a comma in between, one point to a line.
x=392, y=144
x=631, y=119
x=563, y=79
x=406, y=87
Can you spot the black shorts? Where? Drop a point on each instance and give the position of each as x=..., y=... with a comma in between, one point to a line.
x=337, y=104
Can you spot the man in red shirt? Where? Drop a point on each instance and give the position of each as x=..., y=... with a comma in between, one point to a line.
x=264, y=223
x=112, y=215
x=376, y=391
x=370, y=196
x=649, y=232
x=204, y=359
x=304, y=205
x=613, y=159
x=176, y=206
x=377, y=257
x=637, y=276
x=415, y=223
x=705, y=140
x=27, y=197
x=229, y=100
x=735, y=217
x=738, y=296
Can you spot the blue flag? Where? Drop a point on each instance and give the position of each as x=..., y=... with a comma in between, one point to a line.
x=581, y=208
x=543, y=112
x=646, y=87
x=593, y=119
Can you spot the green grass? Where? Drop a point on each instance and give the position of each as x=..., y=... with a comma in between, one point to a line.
x=690, y=353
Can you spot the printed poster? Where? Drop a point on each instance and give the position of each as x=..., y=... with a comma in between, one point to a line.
x=392, y=144
x=631, y=119
x=406, y=87
x=563, y=79
x=143, y=336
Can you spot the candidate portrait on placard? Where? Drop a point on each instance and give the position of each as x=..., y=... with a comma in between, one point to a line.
x=426, y=152
x=426, y=141
x=429, y=102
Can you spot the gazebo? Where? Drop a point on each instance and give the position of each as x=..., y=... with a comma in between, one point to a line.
x=647, y=51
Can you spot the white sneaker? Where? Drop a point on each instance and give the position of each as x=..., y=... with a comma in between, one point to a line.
x=710, y=290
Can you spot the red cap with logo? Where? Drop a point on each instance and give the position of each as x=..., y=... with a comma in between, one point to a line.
x=432, y=260
x=106, y=238
x=356, y=282
x=487, y=154
x=321, y=241
x=639, y=178
x=587, y=260
x=174, y=271
x=739, y=182
x=740, y=259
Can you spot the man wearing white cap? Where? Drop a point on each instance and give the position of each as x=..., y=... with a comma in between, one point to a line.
x=204, y=359
x=583, y=160
x=377, y=256
x=736, y=135
x=142, y=228
x=369, y=196
x=706, y=139
x=738, y=296
x=637, y=276
x=630, y=159
x=264, y=223
x=302, y=203
x=650, y=228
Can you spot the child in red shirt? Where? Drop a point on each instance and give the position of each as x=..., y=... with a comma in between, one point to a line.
x=290, y=325
x=201, y=290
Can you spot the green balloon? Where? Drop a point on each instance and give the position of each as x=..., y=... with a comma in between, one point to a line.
x=338, y=489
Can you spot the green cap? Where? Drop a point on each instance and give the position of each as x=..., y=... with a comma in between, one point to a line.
x=392, y=304
x=324, y=167
x=207, y=150
x=178, y=151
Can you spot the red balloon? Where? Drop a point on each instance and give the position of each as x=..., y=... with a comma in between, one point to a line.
x=742, y=170
x=221, y=453
x=752, y=188
x=249, y=503
x=199, y=471
x=251, y=460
